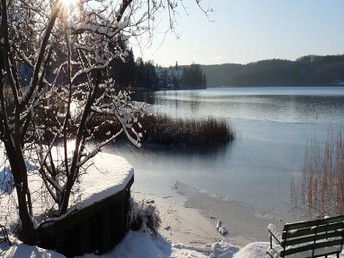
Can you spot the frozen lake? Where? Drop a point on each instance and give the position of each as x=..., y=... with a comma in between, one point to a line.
x=274, y=125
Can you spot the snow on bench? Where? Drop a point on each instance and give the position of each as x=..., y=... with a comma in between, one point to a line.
x=308, y=239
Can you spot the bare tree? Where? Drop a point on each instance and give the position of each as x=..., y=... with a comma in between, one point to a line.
x=53, y=87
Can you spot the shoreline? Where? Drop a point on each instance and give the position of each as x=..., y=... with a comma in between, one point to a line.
x=189, y=215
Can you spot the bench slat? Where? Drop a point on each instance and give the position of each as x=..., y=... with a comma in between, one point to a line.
x=300, y=249
x=296, y=225
x=322, y=252
x=311, y=231
x=312, y=238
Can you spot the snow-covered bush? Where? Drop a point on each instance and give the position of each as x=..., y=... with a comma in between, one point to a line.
x=144, y=216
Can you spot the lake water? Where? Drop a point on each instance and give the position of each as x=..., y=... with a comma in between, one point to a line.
x=274, y=125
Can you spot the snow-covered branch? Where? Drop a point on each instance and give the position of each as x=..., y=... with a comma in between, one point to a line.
x=37, y=71
x=97, y=149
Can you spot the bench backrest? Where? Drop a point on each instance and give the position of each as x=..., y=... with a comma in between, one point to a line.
x=312, y=235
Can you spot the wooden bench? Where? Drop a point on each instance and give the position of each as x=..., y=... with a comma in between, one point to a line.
x=309, y=239
x=4, y=235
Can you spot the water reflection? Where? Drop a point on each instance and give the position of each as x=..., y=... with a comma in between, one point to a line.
x=267, y=107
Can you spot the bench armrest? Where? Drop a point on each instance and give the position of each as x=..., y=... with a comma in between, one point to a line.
x=5, y=235
x=274, y=233
x=273, y=236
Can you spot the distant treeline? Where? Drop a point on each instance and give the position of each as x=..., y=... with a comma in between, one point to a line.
x=181, y=77
x=143, y=76
x=128, y=73
x=304, y=71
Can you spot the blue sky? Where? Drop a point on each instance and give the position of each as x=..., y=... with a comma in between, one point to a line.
x=250, y=30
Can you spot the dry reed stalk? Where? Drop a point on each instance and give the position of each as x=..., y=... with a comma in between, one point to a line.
x=340, y=172
x=293, y=191
x=322, y=181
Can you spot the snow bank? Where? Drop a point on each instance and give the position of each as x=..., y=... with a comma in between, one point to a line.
x=253, y=250
x=142, y=245
x=18, y=249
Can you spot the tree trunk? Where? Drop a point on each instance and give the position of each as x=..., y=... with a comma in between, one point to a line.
x=66, y=195
x=19, y=172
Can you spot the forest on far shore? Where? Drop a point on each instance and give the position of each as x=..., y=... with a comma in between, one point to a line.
x=309, y=70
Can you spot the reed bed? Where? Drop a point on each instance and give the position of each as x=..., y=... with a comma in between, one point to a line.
x=160, y=129
x=322, y=181
x=178, y=132
x=186, y=132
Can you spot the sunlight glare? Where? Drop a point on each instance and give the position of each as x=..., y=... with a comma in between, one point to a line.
x=67, y=2
x=69, y=8
x=73, y=108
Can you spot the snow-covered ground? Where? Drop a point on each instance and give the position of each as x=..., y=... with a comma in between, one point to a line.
x=141, y=245
x=194, y=223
